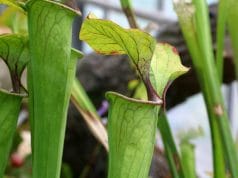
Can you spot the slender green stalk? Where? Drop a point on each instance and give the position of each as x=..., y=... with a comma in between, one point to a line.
x=188, y=159
x=196, y=30
x=233, y=28
x=203, y=31
x=126, y=7
x=171, y=152
x=221, y=27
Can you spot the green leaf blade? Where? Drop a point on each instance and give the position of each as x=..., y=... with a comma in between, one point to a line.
x=108, y=38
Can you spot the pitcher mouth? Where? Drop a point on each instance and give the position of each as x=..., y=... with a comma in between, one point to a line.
x=76, y=12
x=159, y=103
x=22, y=95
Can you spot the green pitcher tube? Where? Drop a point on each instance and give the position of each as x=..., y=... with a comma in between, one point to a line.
x=50, y=75
x=132, y=128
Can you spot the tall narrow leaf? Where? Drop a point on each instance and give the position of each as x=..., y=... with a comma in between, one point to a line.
x=9, y=110
x=49, y=81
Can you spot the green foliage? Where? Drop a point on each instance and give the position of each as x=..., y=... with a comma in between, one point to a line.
x=9, y=110
x=132, y=123
x=130, y=141
x=50, y=75
x=131, y=128
x=106, y=37
x=232, y=11
x=171, y=152
x=14, y=51
x=194, y=21
x=221, y=27
x=165, y=67
x=188, y=159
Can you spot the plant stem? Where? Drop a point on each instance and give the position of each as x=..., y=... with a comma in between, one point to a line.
x=197, y=35
x=232, y=9
x=221, y=26
x=215, y=101
x=188, y=159
x=16, y=82
x=126, y=7
x=169, y=146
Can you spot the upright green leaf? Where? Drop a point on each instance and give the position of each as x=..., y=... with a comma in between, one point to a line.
x=165, y=67
x=131, y=127
x=14, y=51
x=106, y=37
x=9, y=110
x=50, y=74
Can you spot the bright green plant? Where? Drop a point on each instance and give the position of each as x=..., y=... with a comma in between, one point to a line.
x=51, y=71
x=14, y=52
x=194, y=22
x=132, y=123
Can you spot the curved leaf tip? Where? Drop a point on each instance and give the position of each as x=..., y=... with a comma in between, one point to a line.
x=166, y=66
